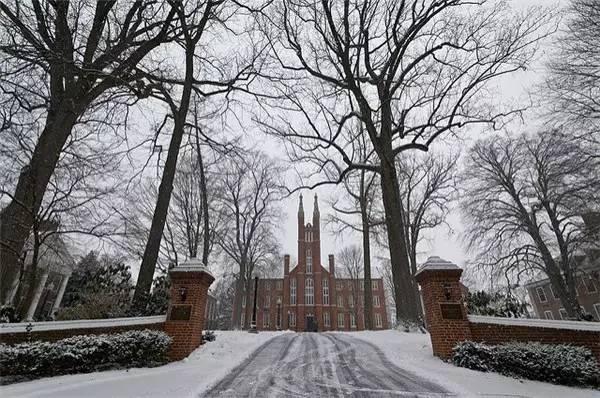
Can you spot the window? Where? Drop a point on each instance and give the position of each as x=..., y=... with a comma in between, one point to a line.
x=308, y=261
x=341, y=321
x=375, y=285
x=279, y=285
x=293, y=291
x=267, y=285
x=309, y=292
x=352, y=321
x=548, y=315
x=589, y=284
x=362, y=286
x=563, y=313
x=351, y=301
x=326, y=319
x=378, y=321
x=340, y=301
x=553, y=292
x=348, y=284
x=597, y=309
x=308, y=236
x=267, y=301
x=266, y=319
x=244, y=300
x=376, y=301
x=541, y=294
x=292, y=319
x=325, y=292
x=338, y=285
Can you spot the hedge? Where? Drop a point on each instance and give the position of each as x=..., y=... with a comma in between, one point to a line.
x=560, y=364
x=83, y=354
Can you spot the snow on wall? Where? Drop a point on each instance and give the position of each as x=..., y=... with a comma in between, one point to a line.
x=6, y=328
x=539, y=323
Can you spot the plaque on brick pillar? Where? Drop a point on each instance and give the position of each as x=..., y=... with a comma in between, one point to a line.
x=451, y=311
x=187, y=304
x=444, y=313
x=180, y=313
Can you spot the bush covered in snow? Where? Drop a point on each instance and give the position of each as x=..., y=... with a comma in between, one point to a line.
x=561, y=364
x=82, y=354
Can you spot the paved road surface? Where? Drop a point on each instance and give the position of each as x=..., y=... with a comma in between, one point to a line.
x=321, y=365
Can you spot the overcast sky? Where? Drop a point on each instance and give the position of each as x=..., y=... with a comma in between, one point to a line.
x=441, y=242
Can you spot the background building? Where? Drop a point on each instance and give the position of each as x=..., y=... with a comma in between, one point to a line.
x=311, y=297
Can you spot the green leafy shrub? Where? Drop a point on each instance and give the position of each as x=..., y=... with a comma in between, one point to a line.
x=560, y=364
x=83, y=354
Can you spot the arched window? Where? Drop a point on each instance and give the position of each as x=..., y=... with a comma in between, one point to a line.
x=309, y=292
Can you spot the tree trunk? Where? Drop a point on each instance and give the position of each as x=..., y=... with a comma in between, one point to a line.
x=368, y=293
x=406, y=308
x=144, y=282
x=17, y=218
x=205, y=212
x=413, y=271
x=237, y=310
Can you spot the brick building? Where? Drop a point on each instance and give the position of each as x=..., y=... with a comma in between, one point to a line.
x=311, y=297
x=546, y=303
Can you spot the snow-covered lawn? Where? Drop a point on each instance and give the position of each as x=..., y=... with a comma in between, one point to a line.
x=412, y=351
x=186, y=378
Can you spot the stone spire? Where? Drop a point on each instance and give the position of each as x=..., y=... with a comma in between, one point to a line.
x=300, y=208
x=316, y=218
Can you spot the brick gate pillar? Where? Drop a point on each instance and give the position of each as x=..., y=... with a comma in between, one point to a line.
x=445, y=313
x=185, y=317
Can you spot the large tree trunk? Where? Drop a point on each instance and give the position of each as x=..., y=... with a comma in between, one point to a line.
x=144, y=282
x=205, y=212
x=368, y=293
x=17, y=218
x=240, y=285
x=406, y=308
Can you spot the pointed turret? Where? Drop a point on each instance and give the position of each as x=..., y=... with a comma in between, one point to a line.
x=316, y=219
x=300, y=220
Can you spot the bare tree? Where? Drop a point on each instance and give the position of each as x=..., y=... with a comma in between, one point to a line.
x=206, y=75
x=573, y=82
x=351, y=261
x=362, y=191
x=63, y=60
x=523, y=202
x=402, y=73
x=250, y=192
x=427, y=188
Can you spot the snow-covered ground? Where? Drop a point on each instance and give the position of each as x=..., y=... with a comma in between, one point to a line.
x=412, y=351
x=186, y=378
x=212, y=362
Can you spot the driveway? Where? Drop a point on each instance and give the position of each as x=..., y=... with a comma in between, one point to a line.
x=321, y=365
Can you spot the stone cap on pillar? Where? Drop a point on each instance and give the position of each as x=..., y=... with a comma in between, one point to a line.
x=191, y=266
x=437, y=265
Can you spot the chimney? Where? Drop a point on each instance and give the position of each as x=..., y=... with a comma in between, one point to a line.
x=286, y=264
x=331, y=265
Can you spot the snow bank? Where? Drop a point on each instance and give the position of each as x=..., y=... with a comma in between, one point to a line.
x=538, y=323
x=21, y=327
x=186, y=378
x=412, y=351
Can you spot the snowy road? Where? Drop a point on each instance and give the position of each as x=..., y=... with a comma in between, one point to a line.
x=321, y=365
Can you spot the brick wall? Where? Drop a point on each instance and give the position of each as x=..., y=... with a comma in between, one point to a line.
x=448, y=323
x=51, y=331
x=548, y=332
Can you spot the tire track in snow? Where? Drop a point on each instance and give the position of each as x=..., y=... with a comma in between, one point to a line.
x=320, y=365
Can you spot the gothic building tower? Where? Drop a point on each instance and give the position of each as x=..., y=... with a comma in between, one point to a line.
x=311, y=297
